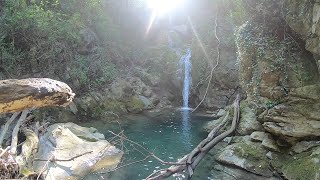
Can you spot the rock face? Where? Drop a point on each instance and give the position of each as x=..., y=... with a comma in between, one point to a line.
x=299, y=117
x=247, y=158
x=279, y=52
x=225, y=79
x=279, y=77
x=303, y=17
x=66, y=141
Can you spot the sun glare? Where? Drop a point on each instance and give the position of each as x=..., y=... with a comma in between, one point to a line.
x=161, y=7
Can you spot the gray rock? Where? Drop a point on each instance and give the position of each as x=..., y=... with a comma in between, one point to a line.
x=65, y=141
x=248, y=121
x=305, y=165
x=266, y=139
x=147, y=103
x=269, y=155
x=221, y=112
x=304, y=146
x=270, y=144
x=247, y=155
x=73, y=108
x=230, y=173
x=259, y=136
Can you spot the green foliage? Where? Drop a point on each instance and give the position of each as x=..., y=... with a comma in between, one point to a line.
x=80, y=70
x=160, y=60
x=44, y=37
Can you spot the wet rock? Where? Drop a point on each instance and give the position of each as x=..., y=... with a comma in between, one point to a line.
x=66, y=141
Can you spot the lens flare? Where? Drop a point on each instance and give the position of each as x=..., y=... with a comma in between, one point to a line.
x=162, y=7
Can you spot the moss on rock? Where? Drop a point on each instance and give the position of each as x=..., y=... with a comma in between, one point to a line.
x=302, y=166
x=135, y=105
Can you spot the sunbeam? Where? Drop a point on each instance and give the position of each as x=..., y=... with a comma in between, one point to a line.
x=198, y=39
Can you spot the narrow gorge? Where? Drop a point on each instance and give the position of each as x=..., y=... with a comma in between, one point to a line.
x=139, y=89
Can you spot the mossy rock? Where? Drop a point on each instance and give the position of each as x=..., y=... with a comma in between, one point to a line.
x=302, y=166
x=247, y=155
x=114, y=106
x=135, y=105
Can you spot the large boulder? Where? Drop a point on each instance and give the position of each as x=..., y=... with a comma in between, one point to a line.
x=75, y=152
x=247, y=155
x=298, y=117
x=304, y=165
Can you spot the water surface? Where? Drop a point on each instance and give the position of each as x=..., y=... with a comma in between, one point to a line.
x=168, y=135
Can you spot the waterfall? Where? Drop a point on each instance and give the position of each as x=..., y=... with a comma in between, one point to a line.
x=185, y=60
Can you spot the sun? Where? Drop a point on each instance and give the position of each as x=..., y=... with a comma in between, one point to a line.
x=162, y=7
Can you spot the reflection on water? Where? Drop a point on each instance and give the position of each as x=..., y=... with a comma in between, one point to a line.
x=186, y=136
x=169, y=136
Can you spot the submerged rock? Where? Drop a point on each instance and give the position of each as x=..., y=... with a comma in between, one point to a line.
x=76, y=151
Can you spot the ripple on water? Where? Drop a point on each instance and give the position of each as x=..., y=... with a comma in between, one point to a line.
x=169, y=140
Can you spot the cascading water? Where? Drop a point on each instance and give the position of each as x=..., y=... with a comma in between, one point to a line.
x=185, y=60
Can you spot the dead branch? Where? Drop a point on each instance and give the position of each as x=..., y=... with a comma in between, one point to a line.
x=53, y=159
x=3, y=151
x=29, y=148
x=17, y=95
x=45, y=166
x=190, y=161
x=214, y=67
x=6, y=126
x=14, y=141
x=143, y=148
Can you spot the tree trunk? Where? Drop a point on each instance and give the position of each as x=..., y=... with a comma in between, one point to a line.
x=18, y=95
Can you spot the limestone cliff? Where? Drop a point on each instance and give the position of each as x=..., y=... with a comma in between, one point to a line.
x=278, y=50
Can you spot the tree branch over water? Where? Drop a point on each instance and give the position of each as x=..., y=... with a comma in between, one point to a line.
x=190, y=161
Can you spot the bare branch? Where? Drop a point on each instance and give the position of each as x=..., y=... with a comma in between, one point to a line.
x=14, y=141
x=214, y=67
x=53, y=159
x=190, y=161
x=6, y=126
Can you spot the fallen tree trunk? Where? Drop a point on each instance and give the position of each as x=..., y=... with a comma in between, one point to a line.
x=190, y=161
x=18, y=95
